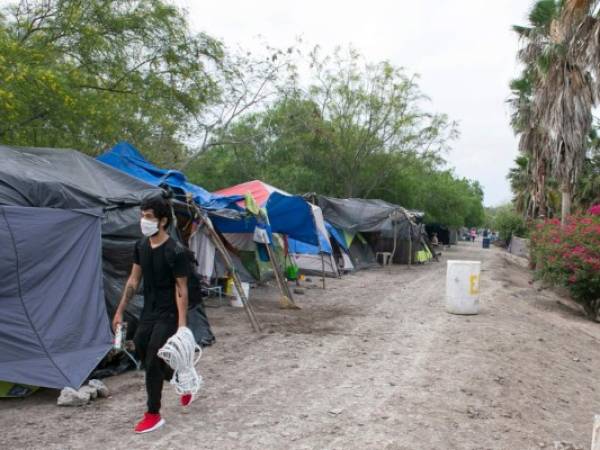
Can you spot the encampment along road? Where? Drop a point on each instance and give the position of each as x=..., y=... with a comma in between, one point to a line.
x=372, y=362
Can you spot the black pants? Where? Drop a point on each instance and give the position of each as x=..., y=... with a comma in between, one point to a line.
x=149, y=338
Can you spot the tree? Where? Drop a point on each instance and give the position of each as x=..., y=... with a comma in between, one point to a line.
x=587, y=192
x=85, y=74
x=524, y=121
x=509, y=223
x=373, y=110
x=357, y=129
x=561, y=54
x=246, y=84
x=520, y=183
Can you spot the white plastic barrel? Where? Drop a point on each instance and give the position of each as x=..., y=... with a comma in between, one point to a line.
x=237, y=302
x=462, y=287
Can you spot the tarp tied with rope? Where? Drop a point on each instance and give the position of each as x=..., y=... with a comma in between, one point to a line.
x=128, y=159
x=288, y=214
x=54, y=329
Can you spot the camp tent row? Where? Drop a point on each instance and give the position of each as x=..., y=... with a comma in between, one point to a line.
x=71, y=222
x=322, y=236
x=68, y=224
x=291, y=217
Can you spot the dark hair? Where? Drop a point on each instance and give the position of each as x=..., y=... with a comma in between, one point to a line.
x=161, y=207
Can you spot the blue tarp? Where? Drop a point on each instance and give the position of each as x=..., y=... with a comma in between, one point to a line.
x=128, y=159
x=337, y=235
x=290, y=215
x=300, y=248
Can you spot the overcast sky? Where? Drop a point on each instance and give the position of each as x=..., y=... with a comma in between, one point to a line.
x=464, y=51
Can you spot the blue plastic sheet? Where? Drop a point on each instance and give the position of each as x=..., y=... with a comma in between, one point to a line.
x=128, y=159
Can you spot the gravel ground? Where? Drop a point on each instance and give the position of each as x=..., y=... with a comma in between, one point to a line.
x=372, y=362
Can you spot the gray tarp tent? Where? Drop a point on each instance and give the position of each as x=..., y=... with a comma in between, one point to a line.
x=67, y=179
x=366, y=216
x=54, y=329
x=379, y=219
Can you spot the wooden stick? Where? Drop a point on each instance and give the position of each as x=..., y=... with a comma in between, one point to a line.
x=410, y=250
x=287, y=301
x=323, y=268
x=216, y=240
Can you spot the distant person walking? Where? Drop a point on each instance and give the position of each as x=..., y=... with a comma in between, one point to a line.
x=473, y=234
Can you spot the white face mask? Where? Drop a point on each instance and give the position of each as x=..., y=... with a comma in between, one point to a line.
x=149, y=227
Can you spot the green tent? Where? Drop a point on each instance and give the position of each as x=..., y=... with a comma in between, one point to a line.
x=8, y=389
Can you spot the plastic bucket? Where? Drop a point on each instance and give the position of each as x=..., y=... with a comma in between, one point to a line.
x=462, y=287
x=291, y=272
x=229, y=286
x=237, y=302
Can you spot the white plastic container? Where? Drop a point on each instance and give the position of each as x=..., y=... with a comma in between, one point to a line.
x=462, y=287
x=237, y=302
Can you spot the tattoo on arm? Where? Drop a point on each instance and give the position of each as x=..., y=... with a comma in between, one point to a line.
x=129, y=293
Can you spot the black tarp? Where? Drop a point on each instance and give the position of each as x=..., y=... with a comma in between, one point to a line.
x=376, y=220
x=67, y=179
x=367, y=216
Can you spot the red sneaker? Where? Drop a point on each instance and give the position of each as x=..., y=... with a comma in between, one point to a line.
x=150, y=422
x=186, y=399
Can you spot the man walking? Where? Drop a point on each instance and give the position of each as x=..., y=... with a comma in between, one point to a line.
x=162, y=264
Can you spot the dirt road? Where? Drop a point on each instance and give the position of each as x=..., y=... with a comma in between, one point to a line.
x=373, y=362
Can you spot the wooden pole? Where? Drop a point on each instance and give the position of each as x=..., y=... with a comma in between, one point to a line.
x=286, y=301
x=409, y=249
x=323, y=268
x=394, y=248
x=216, y=240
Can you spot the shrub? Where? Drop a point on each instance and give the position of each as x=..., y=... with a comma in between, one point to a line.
x=508, y=223
x=570, y=256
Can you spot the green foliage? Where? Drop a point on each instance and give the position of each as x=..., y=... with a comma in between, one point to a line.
x=508, y=223
x=358, y=131
x=570, y=256
x=450, y=201
x=587, y=191
x=85, y=74
x=544, y=12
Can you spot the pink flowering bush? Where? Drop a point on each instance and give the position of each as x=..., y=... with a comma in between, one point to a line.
x=570, y=256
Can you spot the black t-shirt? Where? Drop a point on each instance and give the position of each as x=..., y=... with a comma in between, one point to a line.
x=160, y=267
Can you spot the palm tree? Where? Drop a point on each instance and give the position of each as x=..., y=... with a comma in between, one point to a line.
x=534, y=40
x=565, y=97
x=561, y=53
x=588, y=186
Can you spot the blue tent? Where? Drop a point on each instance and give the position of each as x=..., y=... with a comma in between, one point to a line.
x=337, y=235
x=290, y=215
x=128, y=159
x=296, y=246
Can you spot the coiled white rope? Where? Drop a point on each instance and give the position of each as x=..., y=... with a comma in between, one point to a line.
x=179, y=352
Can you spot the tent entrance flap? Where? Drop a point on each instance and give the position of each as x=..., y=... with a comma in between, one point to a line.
x=54, y=328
